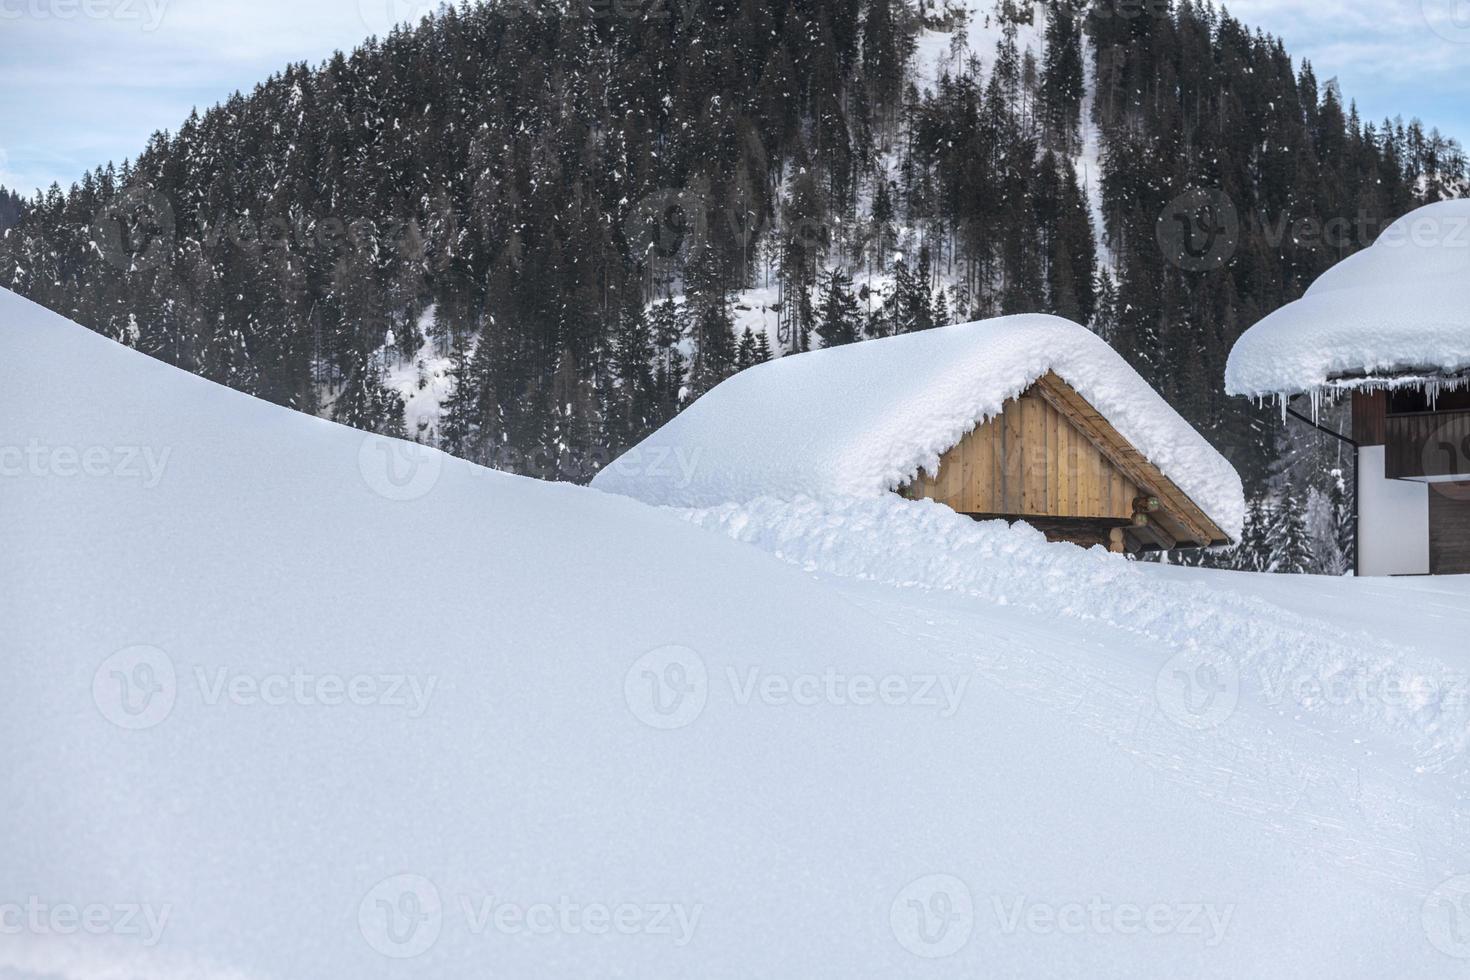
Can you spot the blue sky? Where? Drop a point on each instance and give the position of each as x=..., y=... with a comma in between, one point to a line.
x=85, y=81
x=1395, y=57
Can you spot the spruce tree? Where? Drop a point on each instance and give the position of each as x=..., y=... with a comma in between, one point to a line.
x=714, y=346
x=942, y=317
x=1061, y=78
x=762, y=348
x=839, y=317
x=461, y=407
x=745, y=354
x=367, y=403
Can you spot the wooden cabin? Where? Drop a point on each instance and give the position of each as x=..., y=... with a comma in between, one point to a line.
x=1023, y=418
x=1389, y=328
x=1050, y=459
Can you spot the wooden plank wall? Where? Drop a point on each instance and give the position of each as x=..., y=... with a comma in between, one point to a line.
x=1030, y=460
x=1449, y=528
x=1370, y=414
x=1428, y=444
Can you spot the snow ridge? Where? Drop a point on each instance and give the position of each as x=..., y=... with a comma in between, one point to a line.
x=1265, y=649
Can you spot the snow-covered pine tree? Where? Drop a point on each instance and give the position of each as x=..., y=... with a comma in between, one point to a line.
x=1288, y=538
x=745, y=352
x=367, y=403
x=941, y=308
x=460, y=409
x=839, y=318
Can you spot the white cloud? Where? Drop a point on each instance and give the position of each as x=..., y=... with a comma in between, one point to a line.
x=76, y=92
x=1394, y=57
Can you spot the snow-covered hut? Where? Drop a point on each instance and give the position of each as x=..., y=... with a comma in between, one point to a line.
x=1389, y=328
x=1028, y=418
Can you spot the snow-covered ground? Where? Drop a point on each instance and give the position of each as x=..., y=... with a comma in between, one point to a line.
x=285, y=700
x=423, y=382
x=977, y=27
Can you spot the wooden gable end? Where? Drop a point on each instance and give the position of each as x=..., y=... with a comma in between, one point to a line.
x=1029, y=461
x=1051, y=458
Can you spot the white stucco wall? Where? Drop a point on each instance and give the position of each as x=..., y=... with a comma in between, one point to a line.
x=1393, y=520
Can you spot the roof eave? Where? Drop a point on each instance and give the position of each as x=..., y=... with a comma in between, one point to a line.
x=1408, y=377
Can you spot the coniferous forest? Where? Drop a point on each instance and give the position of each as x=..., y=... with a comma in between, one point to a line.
x=579, y=214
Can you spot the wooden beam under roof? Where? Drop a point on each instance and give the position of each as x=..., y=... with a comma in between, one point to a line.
x=1122, y=454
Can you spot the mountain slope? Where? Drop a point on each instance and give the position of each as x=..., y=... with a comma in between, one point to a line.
x=482, y=214
x=496, y=713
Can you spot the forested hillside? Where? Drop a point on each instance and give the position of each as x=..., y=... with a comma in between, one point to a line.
x=10, y=208
x=565, y=225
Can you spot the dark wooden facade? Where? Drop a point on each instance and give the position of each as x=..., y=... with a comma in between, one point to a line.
x=1370, y=417
x=1429, y=445
x=1449, y=528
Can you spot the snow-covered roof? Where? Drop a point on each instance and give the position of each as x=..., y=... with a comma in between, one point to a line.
x=863, y=419
x=1396, y=312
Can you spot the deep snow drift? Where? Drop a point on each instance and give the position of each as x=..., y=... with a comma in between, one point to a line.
x=860, y=420
x=1402, y=305
x=284, y=700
